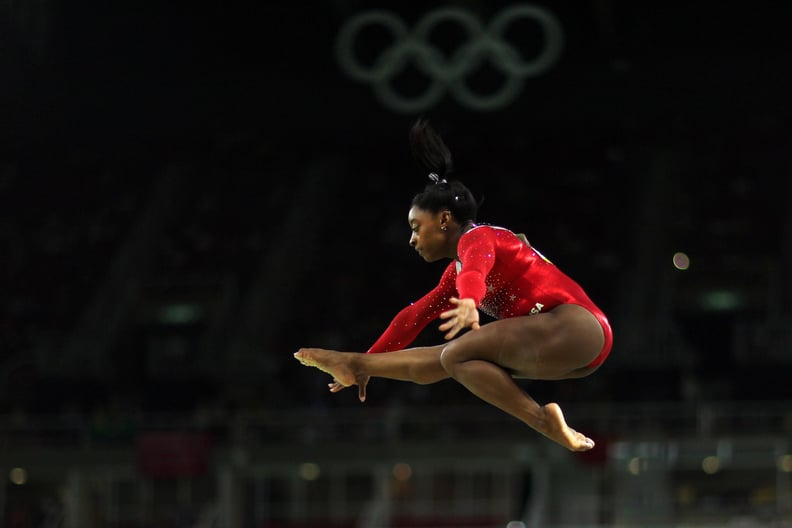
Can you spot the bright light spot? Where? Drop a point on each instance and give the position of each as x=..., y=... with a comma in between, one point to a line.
x=515, y=524
x=309, y=471
x=18, y=476
x=785, y=463
x=402, y=471
x=710, y=465
x=634, y=466
x=681, y=260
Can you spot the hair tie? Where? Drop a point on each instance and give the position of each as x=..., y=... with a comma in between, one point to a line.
x=435, y=178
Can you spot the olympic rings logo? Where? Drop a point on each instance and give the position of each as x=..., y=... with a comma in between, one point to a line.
x=413, y=47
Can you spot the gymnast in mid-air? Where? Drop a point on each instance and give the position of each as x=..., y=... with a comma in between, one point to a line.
x=545, y=325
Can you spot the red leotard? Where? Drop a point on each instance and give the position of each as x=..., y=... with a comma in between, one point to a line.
x=505, y=276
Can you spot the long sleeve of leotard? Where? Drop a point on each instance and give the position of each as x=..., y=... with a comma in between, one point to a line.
x=412, y=319
x=477, y=253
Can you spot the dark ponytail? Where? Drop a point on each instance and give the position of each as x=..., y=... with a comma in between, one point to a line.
x=429, y=150
x=440, y=194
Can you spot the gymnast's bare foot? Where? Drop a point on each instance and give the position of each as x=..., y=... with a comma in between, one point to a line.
x=337, y=364
x=554, y=427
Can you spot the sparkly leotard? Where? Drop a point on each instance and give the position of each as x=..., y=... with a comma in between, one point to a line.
x=506, y=277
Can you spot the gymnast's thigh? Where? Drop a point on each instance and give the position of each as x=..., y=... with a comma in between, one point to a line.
x=543, y=346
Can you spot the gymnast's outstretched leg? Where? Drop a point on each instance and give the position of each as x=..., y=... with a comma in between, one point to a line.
x=419, y=365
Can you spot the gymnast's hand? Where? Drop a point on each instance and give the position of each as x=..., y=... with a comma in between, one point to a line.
x=336, y=386
x=465, y=315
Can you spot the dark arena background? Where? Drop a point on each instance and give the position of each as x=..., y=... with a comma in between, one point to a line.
x=190, y=192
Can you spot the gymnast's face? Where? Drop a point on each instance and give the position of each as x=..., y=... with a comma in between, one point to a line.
x=430, y=233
